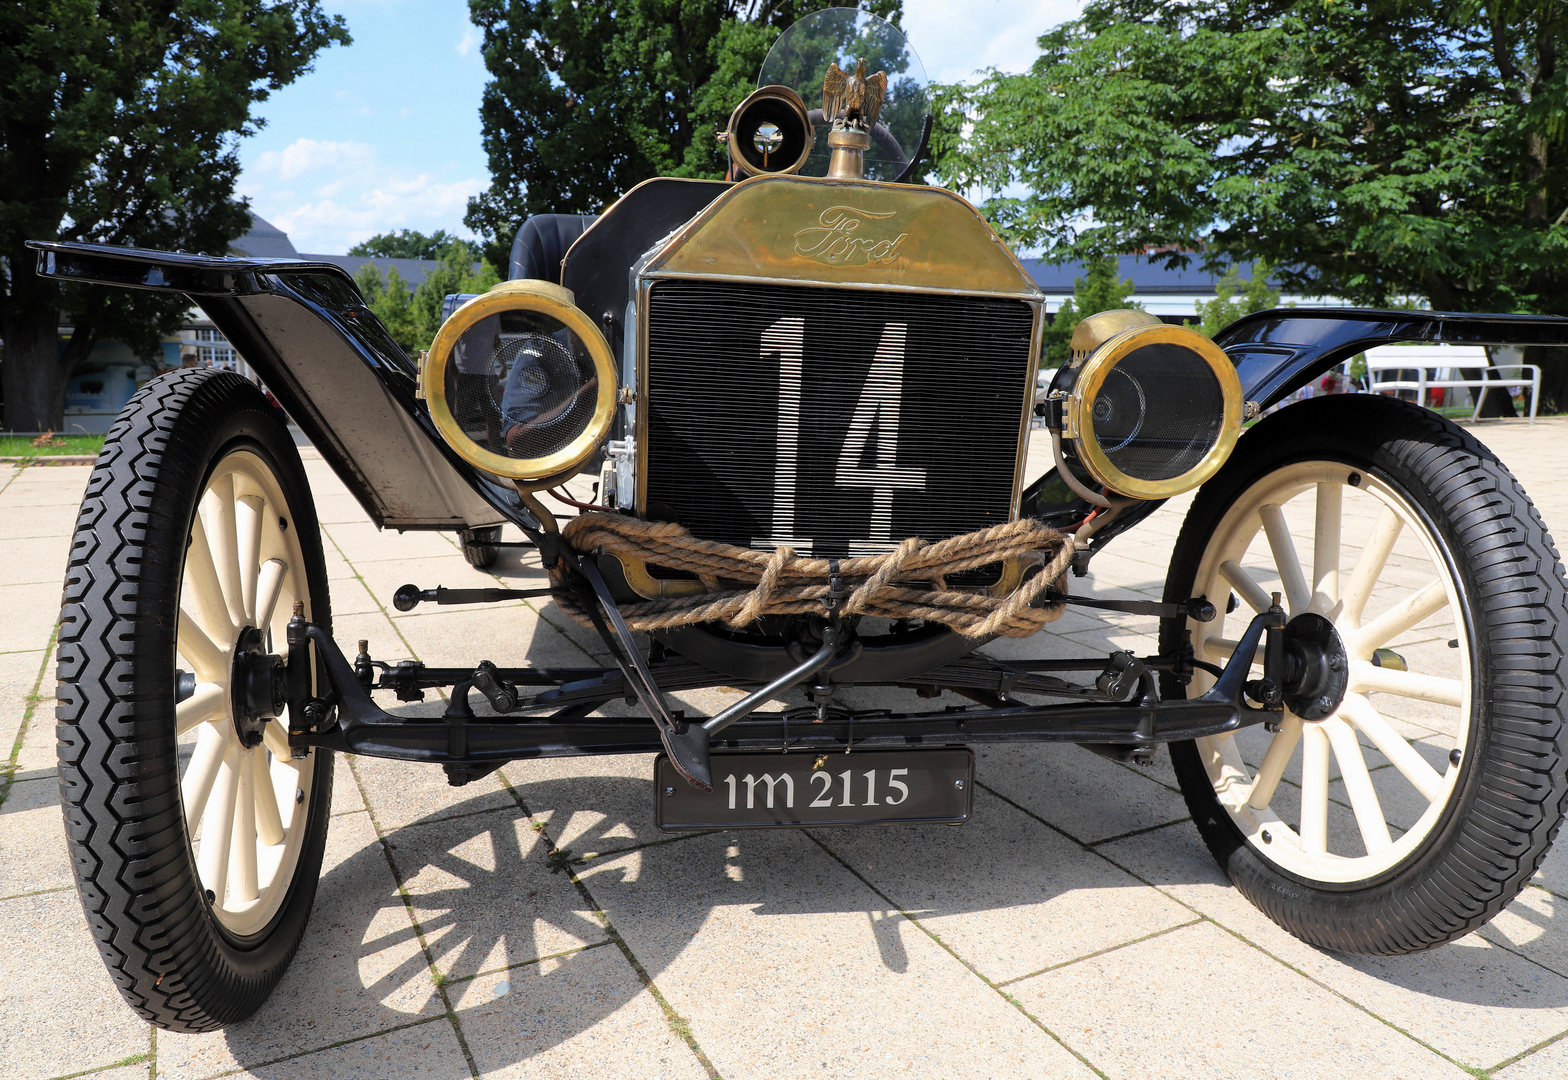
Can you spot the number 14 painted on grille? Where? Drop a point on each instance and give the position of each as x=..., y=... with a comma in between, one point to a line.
x=878, y=407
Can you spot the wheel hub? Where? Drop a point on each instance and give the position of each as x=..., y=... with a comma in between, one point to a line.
x=1317, y=667
x=258, y=687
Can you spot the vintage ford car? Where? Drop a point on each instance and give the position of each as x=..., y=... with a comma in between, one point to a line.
x=809, y=392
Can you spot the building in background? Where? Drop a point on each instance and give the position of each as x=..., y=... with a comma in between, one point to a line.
x=1173, y=295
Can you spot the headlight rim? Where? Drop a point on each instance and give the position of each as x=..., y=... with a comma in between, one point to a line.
x=1090, y=378
x=558, y=303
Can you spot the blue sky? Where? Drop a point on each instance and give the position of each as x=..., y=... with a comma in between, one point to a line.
x=385, y=134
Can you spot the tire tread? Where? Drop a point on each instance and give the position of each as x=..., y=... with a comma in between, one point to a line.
x=1517, y=802
x=123, y=819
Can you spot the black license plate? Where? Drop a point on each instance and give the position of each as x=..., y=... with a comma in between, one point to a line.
x=867, y=787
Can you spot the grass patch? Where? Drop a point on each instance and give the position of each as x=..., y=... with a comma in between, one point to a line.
x=55, y=446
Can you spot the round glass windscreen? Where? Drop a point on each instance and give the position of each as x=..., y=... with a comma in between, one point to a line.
x=1158, y=412
x=802, y=56
x=521, y=384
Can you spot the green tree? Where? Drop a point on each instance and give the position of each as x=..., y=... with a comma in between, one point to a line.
x=587, y=99
x=1100, y=289
x=412, y=317
x=404, y=244
x=120, y=124
x=391, y=302
x=1372, y=151
x=455, y=273
x=1235, y=298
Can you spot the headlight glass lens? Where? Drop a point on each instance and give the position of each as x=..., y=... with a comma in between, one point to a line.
x=1159, y=412
x=521, y=384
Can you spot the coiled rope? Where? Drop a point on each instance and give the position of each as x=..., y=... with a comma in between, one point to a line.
x=742, y=585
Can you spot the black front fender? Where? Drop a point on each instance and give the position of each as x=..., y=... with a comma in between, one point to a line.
x=305, y=329
x=1279, y=351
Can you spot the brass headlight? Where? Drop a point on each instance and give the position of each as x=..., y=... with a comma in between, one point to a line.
x=1154, y=411
x=521, y=382
x=770, y=132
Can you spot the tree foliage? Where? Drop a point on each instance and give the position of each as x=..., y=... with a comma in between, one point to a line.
x=120, y=124
x=414, y=316
x=586, y=100
x=404, y=244
x=1375, y=150
x=1235, y=297
x=1100, y=289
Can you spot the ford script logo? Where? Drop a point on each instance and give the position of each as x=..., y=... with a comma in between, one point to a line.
x=845, y=236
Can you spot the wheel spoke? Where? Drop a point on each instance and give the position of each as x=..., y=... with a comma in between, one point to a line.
x=217, y=825
x=1242, y=582
x=200, y=773
x=210, y=661
x=249, y=513
x=243, y=876
x=225, y=549
x=1374, y=556
x=268, y=588
x=203, y=590
x=1365, y=677
x=275, y=737
x=269, y=822
x=1281, y=747
x=1221, y=648
x=207, y=703
x=1314, y=789
x=1325, y=547
x=1291, y=577
x=1358, y=785
x=1411, y=765
x=1401, y=617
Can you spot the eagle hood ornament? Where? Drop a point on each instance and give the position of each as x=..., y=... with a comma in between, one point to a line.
x=853, y=100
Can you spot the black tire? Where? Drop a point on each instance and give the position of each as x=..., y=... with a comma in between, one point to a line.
x=481, y=546
x=162, y=935
x=1485, y=830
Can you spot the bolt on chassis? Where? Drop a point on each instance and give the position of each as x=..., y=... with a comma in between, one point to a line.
x=809, y=391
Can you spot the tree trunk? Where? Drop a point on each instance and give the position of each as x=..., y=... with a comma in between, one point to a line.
x=1553, y=362
x=1497, y=402
x=33, y=375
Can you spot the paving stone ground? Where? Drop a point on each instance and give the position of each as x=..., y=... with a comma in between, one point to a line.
x=1075, y=927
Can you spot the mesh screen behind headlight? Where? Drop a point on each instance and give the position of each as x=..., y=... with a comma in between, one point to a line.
x=520, y=381
x=1154, y=411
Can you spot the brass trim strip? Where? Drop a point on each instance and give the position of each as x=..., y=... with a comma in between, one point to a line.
x=1036, y=343
x=819, y=283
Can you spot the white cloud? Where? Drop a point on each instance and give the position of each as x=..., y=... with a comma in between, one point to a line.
x=350, y=196
x=957, y=40
x=303, y=156
x=469, y=41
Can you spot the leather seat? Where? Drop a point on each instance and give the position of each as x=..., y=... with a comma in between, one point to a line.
x=542, y=242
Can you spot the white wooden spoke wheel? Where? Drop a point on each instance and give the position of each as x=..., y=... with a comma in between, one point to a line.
x=1368, y=780
x=244, y=804
x=196, y=834
x=1415, y=789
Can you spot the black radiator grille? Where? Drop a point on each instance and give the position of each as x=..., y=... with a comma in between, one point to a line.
x=772, y=412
